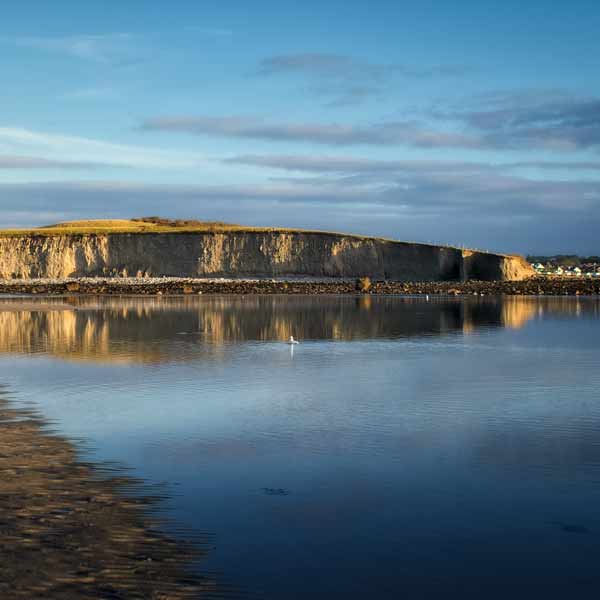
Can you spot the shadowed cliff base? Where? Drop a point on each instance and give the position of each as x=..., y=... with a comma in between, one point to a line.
x=69, y=531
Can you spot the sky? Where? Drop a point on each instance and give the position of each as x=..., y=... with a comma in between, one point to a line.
x=474, y=123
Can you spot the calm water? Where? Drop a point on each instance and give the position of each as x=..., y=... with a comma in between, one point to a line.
x=406, y=448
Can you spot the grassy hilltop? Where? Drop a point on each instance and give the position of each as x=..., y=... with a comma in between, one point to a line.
x=157, y=225
x=152, y=225
x=139, y=225
x=162, y=225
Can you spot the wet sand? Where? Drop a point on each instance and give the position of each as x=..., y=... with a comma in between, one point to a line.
x=68, y=530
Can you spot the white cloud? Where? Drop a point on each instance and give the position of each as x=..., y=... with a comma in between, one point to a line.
x=338, y=165
x=347, y=79
x=381, y=134
x=33, y=162
x=91, y=93
x=19, y=141
x=110, y=48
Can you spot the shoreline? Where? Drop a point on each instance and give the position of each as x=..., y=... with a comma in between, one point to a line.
x=70, y=530
x=187, y=286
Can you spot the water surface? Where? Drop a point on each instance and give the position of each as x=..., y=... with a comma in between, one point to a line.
x=425, y=449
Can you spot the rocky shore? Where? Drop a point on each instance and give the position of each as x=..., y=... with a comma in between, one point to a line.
x=175, y=286
x=68, y=531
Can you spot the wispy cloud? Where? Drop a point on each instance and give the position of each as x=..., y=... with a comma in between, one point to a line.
x=110, y=48
x=452, y=186
x=347, y=67
x=380, y=134
x=33, y=162
x=552, y=165
x=443, y=191
x=71, y=149
x=558, y=125
x=509, y=211
x=92, y=93
x=530, y=120
x=215, y=32
x=350, y=165
x=346, y=79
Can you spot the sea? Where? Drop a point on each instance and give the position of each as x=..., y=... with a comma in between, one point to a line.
x=406, y=447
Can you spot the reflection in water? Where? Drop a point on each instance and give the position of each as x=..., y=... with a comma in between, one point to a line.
x=149, y=330
x=410, y=447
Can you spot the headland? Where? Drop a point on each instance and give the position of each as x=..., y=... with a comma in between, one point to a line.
x=153, y=247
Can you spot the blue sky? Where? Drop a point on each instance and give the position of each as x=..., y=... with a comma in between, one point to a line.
x=471, y=123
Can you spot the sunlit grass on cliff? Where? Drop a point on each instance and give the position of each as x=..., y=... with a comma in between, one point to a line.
x=147, y=225
x=154, y=225
x=139, y=225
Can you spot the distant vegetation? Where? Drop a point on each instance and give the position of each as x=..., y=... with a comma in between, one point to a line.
x=163, y=222
x=144, y=223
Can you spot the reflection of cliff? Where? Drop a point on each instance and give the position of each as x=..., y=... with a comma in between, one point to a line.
x=67, y=333
x=154, y=330
x=518, y=311
x=510, y=311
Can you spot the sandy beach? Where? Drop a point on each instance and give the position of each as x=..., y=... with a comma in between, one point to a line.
x=69, y=531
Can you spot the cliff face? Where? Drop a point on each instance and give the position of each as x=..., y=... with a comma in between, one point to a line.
x=246, y=254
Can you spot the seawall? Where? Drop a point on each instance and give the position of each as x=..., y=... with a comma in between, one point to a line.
x=246, y=254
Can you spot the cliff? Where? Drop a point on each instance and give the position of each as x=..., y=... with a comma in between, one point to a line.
x=243, y=253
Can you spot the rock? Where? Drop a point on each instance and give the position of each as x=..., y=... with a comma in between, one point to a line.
x=363, y=284
x=171, y=285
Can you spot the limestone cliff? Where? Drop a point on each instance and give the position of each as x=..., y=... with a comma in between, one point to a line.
x=244, y=254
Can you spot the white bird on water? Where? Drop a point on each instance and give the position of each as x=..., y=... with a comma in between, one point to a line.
x=292, y=341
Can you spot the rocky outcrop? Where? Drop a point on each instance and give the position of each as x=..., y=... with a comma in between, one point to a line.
x=245, y=254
